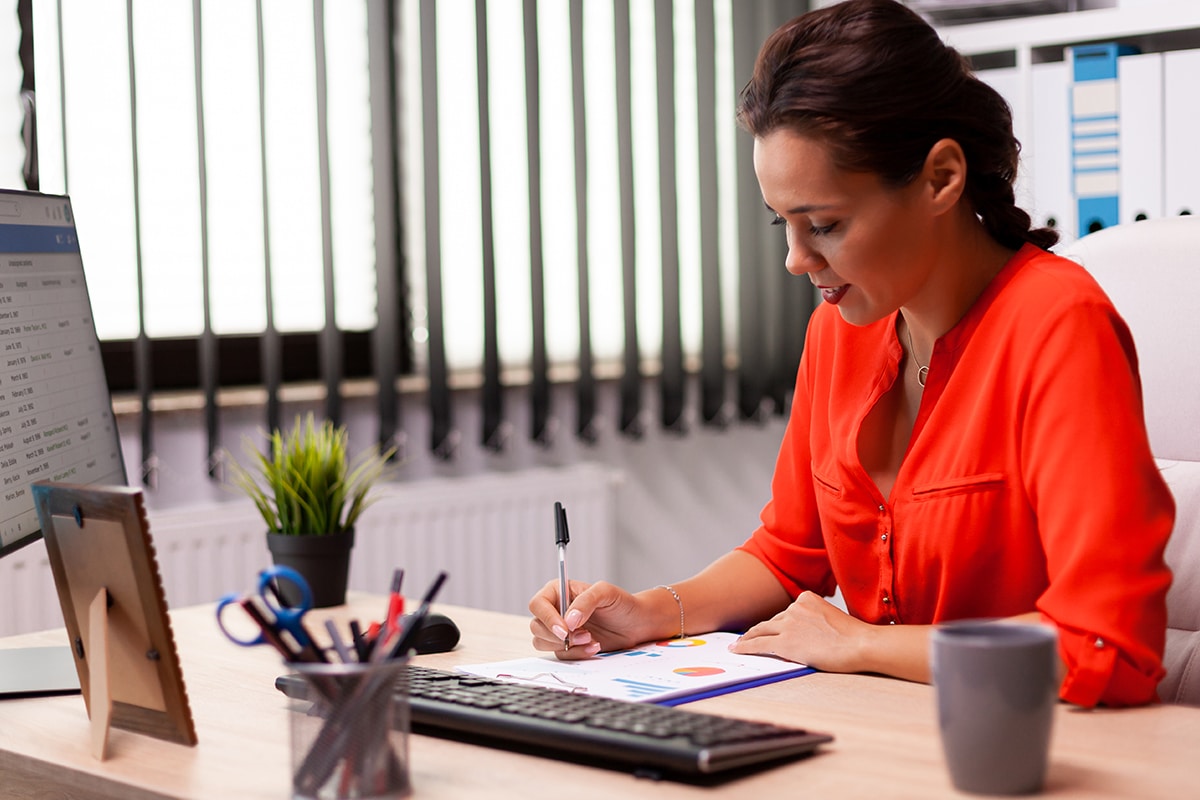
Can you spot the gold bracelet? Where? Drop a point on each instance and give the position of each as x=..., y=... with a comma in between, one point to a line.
x=679, y=603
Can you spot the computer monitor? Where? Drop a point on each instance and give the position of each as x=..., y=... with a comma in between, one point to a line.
x=56, y=418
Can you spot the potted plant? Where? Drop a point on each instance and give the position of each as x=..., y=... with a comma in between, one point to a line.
x=310, y=492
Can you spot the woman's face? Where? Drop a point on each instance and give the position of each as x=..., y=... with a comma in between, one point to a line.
x=868, y=248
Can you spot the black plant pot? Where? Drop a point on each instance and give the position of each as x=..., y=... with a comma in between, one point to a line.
x=324, y=561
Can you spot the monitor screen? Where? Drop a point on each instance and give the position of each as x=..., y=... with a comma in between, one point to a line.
x=56, y=419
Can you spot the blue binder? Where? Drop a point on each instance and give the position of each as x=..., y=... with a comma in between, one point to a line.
x=1095, y=140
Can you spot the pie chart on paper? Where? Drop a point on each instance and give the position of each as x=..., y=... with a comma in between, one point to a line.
x=693, y=642
x=698, y=672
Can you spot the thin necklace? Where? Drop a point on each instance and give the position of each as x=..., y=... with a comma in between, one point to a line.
x=922, y=371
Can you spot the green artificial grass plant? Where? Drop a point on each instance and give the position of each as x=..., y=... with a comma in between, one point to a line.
x=306, y=483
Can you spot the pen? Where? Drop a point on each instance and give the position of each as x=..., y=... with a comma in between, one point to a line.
x=273, y=633
x=406, y=638
x=395, y=607
x=561, y=537
x=270, y=632
x=360, y=642
x=339, y=644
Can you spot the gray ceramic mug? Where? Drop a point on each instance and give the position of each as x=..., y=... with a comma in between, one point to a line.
x=996, y=686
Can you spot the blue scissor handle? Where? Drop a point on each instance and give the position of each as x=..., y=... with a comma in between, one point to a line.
x=227, y=600
x=288, y=619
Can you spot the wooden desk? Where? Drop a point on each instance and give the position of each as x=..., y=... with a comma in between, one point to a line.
x=886, y=736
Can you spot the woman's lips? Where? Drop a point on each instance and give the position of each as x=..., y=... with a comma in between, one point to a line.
x=834, y=294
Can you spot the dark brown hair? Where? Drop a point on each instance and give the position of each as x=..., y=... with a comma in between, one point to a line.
x=878, y=86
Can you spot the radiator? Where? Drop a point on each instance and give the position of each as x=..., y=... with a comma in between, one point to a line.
x=493, y=534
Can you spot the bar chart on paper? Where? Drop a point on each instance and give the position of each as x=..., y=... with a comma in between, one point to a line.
x=667, y=671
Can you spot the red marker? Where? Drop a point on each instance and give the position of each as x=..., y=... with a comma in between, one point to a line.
x=395, y=606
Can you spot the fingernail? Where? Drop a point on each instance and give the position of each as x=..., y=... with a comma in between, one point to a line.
x=581, y=637
x=573, y=618
x=559, y=631
x=592, y=648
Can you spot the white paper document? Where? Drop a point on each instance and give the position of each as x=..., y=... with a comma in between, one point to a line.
x=667, y=671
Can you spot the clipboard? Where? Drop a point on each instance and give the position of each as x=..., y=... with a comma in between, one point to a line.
x=111, y=593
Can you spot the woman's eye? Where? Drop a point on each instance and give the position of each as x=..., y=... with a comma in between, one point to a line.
x=778, y=220
x=821, y=230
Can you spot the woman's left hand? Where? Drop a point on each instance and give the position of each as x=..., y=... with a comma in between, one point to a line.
x=810, y=631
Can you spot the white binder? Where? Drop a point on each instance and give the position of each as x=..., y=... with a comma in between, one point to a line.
x=1046, y=158
x=1007, y=81
x=1141, y=122
x=1181, y=145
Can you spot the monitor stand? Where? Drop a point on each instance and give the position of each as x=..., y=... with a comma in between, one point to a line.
x=37, y=672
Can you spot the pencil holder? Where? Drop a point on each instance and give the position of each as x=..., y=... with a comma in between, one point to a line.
x=352, y=742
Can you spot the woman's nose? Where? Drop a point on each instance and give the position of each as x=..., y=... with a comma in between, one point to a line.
x=802, y=260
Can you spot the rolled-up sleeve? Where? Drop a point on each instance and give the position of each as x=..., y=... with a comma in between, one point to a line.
x=1104, y=512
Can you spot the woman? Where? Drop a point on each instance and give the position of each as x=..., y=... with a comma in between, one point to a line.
x=966, y=437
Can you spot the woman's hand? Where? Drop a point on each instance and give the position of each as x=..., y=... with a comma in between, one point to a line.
x=815, y=632
x=602, y=617
x=810, y=631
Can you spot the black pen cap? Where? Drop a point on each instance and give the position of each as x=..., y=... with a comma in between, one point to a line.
x=561, y=535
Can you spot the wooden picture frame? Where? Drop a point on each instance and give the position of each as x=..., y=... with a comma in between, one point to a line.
x=111, y=593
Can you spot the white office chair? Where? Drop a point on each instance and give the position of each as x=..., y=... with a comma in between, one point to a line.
x=1151, y=271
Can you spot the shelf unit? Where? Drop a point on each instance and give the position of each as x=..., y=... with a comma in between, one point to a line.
x=1025, y=59
x=1152, y=26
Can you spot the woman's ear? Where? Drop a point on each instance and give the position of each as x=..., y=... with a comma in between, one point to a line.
x=945, y=174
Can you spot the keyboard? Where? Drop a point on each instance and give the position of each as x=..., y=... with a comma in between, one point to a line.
x=646, y=739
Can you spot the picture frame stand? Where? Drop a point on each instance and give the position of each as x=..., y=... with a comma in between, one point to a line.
x=114, y=608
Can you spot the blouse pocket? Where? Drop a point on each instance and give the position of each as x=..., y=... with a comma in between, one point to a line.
x=967, y=484
x=823, y=482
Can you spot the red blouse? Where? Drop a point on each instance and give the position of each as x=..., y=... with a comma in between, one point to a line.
x=1028, y=482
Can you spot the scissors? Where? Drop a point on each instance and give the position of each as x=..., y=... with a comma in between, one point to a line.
x=280, y=626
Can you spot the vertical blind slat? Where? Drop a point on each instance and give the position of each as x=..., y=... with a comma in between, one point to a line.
x=493, y=408
x=712, y=367
x=751, y=384
x=799, y=303
x=441, y=430
x=331, y=349
x=774, y=288
x=62, y=99
x=270, y=347
x=385, y=136
x=540, y=380
x=671, y=380
x=585, y=389
x=792, y=299
x=208, y=342
x=631, y=379
x=141, y=345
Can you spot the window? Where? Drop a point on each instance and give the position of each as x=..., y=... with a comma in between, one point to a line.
x=221, y=159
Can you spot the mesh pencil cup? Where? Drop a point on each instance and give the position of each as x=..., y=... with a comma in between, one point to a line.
x=353, y=741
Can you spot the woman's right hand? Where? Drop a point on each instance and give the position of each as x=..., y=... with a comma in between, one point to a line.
x=601, y=617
